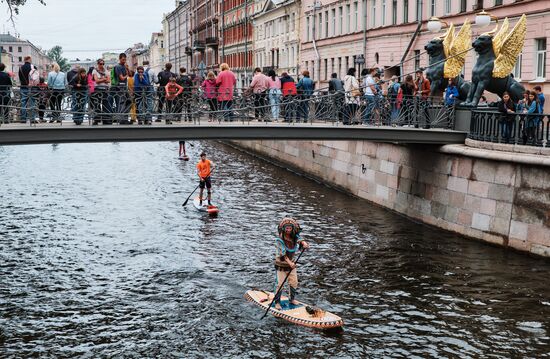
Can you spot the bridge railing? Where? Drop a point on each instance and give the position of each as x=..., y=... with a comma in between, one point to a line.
x=143, y=105
x=519, y=128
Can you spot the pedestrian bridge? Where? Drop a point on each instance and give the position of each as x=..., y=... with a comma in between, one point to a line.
x=68, y=132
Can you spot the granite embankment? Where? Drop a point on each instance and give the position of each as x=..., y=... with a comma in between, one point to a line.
x=498, y=197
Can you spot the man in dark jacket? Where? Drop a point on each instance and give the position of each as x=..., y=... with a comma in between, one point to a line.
x=70, y=76
x=163, y=79
x=5, y=91
x=26, y=97
x=336, y=90
x=184, y=99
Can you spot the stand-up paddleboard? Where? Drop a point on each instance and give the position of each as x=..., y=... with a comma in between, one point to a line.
x=301, y=314
x=211, y=210
x=184, y=158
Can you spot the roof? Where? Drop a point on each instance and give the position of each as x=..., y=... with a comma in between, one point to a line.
x=9, y=38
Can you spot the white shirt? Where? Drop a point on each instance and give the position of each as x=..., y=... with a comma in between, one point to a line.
x=369, y=81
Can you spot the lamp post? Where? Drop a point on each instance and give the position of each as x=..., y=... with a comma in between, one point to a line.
x=316, y=6
x=435, y=24
x=484, y=18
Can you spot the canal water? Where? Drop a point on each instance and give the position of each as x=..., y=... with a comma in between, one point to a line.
x=99, y=259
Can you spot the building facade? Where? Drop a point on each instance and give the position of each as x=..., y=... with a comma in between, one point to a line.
x=177, y=36
x=379, y=32
x=204, y=42
x=236, y=36
x=277, y=36
x=19, y=49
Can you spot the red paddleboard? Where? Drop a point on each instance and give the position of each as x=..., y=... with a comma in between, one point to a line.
x=184, y=158
x=204, y=207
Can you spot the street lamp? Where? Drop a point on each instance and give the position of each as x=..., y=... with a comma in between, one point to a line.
x=435, y=24
x=483, y=18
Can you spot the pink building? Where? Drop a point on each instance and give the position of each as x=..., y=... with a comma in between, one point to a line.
x=336, y=34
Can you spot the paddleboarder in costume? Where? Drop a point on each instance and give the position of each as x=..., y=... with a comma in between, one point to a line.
x=287, y=244
x=204, y=168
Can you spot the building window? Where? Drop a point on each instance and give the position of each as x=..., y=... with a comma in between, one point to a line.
x=341, y=23
x=347, y=62
x=307, y=29
x=307, y=65
x=312, y=70
x=432, y=7
x=416, y=59
x=356, y=16
x=405, y=11
x=19, y=49
x=11, y=49
x=463, y=4
x=498, y=2
x=331, y=66
x=418, y=10
x=383, y=12
x=320, y=30
x=326, y=69
x=20, y=59
x=540, y=60
x=447, y=7
x=292, y=22
x=516, y=71
x=373, y=13
x=348, y=19
x=394, y=12
x=340, y=74
x=333, y=15
x=326, y=23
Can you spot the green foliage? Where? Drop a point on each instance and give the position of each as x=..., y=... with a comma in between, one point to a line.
x=56, y=54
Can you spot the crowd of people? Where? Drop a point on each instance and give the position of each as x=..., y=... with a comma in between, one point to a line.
x=529, y=109
x=122, y=95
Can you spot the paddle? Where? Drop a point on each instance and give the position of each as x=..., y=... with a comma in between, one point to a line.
x=282, y=285
x=187, y=200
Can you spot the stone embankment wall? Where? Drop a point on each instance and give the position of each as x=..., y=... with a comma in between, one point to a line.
x=496, y=197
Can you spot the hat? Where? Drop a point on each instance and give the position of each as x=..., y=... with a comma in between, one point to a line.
x=287, y=221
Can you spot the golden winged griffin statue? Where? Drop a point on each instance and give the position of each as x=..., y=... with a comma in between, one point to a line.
x=498, y=51
x=447, y=55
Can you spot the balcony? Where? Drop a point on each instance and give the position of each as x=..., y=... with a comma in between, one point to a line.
x=212, y=41
x=188, y=50
x=199, y=45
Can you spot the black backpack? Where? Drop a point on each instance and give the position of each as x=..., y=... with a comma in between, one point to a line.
x=185, y=82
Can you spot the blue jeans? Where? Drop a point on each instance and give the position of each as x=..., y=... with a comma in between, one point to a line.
x=27, y=104
x=303, y=108
x=274, y=101
x=227, y=108
x=369, y=106
x=505, y=129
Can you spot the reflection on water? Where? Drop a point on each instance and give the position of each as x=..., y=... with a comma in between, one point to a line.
x=98, y=258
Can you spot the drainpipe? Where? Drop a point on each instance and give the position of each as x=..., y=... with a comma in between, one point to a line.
x=316, y=6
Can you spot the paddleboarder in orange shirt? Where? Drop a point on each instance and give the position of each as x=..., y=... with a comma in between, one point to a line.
x=204, y=169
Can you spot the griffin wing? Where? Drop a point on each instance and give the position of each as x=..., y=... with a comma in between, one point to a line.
x=448, y=39
x=498, y=39
x=510, y=49
x=457, y=51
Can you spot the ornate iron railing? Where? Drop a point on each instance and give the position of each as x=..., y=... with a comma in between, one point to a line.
x=520, y=128
x=118, y=104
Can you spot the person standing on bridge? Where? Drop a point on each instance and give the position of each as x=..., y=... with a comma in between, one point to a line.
x=204, y=169
x=172, y=91
x=226, y=82
x=259, y=87
x=287, y=244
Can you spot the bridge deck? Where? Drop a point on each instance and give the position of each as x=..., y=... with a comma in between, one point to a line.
x=68, y=132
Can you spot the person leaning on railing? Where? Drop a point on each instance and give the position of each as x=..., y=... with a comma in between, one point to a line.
x=226, y=82
x=508, y=110
x=532, y=122
x=101, y=105
x=353, y=94
x=288, y=88
x=57, y=83
x=79, y=89
x=305, y=89
x=451, y=95
x=142, y=87
x=5, y=94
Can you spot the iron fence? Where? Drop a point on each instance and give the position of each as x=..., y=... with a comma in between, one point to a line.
x=524, y=129
x=144, y=105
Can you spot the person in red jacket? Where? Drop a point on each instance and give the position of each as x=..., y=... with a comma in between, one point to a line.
x=422, y=93
x=172, y=90
x=288, y=88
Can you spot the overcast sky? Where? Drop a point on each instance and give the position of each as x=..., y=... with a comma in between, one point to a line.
x=86, y=28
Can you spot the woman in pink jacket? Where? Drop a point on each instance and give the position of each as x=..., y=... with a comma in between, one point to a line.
x=210, y=93
x=226, y=82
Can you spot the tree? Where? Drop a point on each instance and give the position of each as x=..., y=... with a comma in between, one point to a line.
x=14, y=5
x=56, y=54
